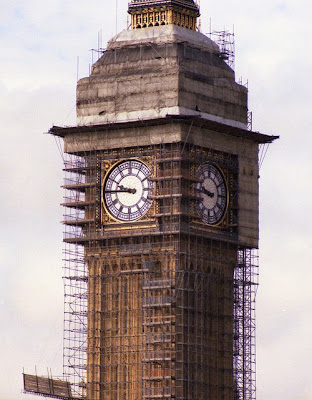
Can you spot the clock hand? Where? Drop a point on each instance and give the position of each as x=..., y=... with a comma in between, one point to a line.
x=116, y=191
x=207, y=192
x=133, y=191
x=122, y=189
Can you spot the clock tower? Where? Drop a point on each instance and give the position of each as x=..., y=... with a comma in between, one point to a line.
x=161, y=217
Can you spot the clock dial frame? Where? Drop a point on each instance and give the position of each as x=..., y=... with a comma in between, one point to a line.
x=127, y=190
x=213, y=192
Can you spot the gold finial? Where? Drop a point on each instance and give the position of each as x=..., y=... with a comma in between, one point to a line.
x=145, y=13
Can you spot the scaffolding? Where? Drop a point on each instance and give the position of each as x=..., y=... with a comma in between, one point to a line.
x=75, y=277
x=163, y=308
x=226, y=42
x=245, y=289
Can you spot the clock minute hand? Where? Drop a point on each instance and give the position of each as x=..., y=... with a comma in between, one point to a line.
x=122, y=189
x=207, y=192
x=116, y=191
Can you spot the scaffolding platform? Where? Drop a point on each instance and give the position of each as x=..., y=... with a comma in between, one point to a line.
x=48, y=387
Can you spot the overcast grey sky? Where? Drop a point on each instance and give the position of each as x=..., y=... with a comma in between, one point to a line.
x=40, y=42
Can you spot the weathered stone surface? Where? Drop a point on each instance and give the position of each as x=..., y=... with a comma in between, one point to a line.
x=140, y=73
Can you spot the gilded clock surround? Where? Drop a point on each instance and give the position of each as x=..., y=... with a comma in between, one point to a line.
x=227, y=164
x=106, y=215
x=222, y=182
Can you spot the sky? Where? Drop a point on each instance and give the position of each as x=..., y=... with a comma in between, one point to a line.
x=40, y=44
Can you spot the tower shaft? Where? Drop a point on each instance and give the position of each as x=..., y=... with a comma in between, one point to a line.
x=165, y=294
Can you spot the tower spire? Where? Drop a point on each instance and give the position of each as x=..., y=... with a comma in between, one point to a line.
x=146, y=13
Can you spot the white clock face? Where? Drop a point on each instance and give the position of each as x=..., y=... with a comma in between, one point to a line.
x=127, y=190
x=213, y=194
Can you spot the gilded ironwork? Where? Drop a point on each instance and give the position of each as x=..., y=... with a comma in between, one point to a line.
x=155, y=13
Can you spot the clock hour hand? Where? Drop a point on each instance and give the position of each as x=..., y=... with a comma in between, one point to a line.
x=207, y=192
x=128, y=190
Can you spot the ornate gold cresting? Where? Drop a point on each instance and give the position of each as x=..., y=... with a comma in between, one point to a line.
x=163, y=12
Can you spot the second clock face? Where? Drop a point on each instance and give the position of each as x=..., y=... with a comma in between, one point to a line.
x=212, y=190
x=127, y=190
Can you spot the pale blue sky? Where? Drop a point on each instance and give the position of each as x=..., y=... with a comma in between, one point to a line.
x=40, y=42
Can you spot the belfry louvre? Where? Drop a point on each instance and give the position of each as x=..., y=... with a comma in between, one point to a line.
x=161, y=219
